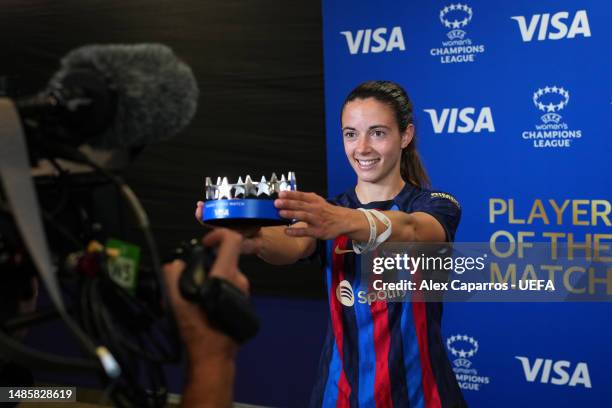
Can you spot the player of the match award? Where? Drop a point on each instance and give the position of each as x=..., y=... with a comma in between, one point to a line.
x=245, y=203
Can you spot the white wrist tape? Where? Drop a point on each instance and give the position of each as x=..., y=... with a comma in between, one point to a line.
x=387, y=223
x=374, y=241
x=359, y=248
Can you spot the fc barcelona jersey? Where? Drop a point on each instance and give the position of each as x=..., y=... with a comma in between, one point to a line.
x=385, y=354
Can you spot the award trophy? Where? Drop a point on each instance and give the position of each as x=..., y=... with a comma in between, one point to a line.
x=245, y=203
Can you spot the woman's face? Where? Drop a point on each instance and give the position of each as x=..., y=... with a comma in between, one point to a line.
x=372, y=141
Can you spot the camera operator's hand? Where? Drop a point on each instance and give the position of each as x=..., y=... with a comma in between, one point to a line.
x=252, y=236
x=192, y=323
x=211, y=353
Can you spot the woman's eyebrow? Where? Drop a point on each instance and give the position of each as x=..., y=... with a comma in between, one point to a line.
x=348, y=128
x=378, y=126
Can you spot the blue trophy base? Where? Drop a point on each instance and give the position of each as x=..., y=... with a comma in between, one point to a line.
x=242, y=212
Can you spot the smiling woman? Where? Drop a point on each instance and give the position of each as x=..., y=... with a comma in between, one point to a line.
x=378, y=127
x=377, y=353
x=374, y=150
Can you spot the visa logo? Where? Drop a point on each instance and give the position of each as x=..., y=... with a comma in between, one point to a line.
x=374, y=40
x=555, y=27
x=221, y=212
x=562, y=372
x=461, y=120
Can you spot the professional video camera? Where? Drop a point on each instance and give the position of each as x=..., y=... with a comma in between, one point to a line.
x=102, y=106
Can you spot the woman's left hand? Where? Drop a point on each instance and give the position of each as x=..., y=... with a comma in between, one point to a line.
x=324, y=221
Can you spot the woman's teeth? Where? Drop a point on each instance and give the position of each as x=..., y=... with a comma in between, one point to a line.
x=366, y=164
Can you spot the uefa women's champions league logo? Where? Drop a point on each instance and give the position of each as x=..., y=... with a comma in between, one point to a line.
x=464, y=347
x=456, y=24
x=462, y=353
x=550, y=107
x=458, y=48
x=552, y=132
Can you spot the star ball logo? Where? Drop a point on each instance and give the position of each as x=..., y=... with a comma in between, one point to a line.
x=552, y=132
x=550, y=108
x=464, y=347
x=463, y=354
x=458, y=48
x=456, y=33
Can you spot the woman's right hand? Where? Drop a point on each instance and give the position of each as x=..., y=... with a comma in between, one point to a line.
x=252, y=236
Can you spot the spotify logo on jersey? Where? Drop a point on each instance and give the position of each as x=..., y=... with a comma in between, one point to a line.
x=344, y=293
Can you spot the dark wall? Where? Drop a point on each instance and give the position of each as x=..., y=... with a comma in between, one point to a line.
x=259, y=69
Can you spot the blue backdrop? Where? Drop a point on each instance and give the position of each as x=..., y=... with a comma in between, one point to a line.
x=512, y=104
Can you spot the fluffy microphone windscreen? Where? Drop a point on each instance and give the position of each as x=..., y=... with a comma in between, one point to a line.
x=157, y=93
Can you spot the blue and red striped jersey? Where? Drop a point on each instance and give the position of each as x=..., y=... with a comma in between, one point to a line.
x=385, y=354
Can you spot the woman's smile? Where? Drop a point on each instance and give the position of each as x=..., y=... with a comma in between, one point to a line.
x=367, y=164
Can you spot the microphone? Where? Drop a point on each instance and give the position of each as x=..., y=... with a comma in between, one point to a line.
x=108, y=97
x=114, y=96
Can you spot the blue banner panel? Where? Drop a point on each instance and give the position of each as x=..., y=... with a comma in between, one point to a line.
x=512, y=104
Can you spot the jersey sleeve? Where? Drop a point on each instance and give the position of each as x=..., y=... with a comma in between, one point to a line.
x=443, y=207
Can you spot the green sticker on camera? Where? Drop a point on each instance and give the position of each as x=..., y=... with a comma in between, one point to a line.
x=123, y=263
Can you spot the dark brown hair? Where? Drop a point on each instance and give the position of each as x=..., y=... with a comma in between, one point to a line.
x=393, y=95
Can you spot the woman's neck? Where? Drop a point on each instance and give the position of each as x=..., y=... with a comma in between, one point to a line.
x=380, y=191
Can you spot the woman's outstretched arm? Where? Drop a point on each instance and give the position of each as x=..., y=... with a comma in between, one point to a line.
x=272, y=244
x=325, y=221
